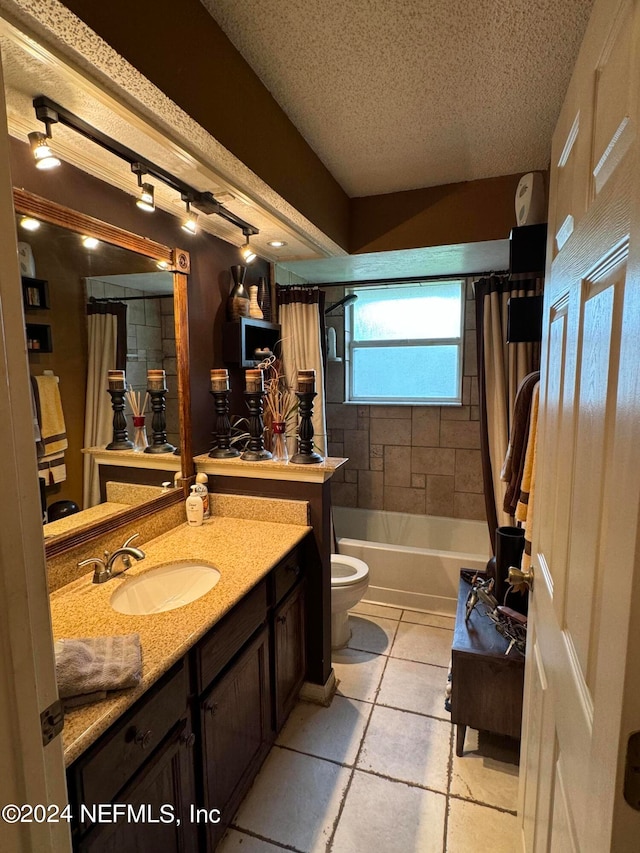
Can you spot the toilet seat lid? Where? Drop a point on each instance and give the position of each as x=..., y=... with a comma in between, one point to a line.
x=346, y=571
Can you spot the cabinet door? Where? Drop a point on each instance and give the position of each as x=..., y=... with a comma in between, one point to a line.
x=289, y=653
x=236, y=731
x=167, y=780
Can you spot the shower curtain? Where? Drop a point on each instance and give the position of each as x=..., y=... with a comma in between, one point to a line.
x=106, y=326
x=501, y=369
x=301, y=314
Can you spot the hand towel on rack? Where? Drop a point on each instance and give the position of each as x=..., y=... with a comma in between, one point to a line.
x=37, y=435
x=524, y=510
x=94, y=664
x=514, y=461
x=50, y=417
x=52, y=469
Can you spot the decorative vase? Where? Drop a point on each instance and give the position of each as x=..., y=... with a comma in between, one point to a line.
x=140, y=440
x=264, y=298
x=509, y=548
x=279, y=450
x=254, y=309
x=238, y=301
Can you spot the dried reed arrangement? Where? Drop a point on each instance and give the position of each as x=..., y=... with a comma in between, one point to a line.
x=280, y=402
x=133, y=398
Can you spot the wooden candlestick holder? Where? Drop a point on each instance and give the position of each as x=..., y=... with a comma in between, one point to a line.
x=120, y=438
x=306, y=455
x=223, y=450
x=159, y=423
x=255, y=451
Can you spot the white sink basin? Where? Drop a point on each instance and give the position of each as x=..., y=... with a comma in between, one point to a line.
x=164, y=588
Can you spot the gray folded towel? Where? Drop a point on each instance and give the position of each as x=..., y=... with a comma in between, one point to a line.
x=95, y=664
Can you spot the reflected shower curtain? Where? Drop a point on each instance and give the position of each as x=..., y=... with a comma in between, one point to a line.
x=301, y=314
x=501, y=369
x=106, y=327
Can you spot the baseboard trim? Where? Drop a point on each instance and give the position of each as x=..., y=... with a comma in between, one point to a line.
x=320, y=694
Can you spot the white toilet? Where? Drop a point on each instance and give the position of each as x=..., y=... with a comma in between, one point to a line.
x=349, y=582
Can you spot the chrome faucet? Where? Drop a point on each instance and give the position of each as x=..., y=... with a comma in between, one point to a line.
x=104, y=565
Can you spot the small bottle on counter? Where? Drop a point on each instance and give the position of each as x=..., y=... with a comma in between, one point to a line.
x=194, y=508
x=202, y=489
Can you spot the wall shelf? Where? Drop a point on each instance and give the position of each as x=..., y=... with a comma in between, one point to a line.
x=241, y=339
x=35, y=293
x=38, y=337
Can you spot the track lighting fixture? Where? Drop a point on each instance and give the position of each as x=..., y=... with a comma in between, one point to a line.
x=190, y=223
x=247, y=253
x=39, y=142
x=49, y=112
x=146, y=200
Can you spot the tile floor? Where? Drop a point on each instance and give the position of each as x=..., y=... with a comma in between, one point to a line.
x=377, y=770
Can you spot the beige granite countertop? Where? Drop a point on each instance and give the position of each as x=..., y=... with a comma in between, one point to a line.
x=79, y=519
x=243, y=551
x=316, y=472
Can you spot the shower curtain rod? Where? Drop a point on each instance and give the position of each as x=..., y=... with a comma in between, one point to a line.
x=401, y=280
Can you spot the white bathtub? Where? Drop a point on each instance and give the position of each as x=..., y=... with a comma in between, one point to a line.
x=414, y=560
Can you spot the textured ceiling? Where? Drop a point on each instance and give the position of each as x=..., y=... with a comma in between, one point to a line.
x=167, y=137
x=399, y=94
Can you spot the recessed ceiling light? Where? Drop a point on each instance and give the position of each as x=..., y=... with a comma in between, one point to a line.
x=90, y=242
x=276, y=244
x=29, y=223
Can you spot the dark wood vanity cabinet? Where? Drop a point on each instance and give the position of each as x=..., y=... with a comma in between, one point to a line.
x=160, y=798
x=288, y=653
x=197, y=738
x=144, y=764
x=236, y=733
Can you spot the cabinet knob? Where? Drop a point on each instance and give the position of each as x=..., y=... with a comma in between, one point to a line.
x=211, y=707
x=143, y=739
x=281, y=619
x=188, y=740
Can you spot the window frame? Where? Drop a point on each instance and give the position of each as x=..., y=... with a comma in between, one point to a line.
x=352, y=345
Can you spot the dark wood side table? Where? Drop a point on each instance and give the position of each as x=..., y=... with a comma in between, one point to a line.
x=486, y=684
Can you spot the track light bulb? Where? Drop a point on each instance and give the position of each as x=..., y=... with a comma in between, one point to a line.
x=146, y=200
x=29, y=223
x=247, y=253
x=190, y=223
x=42, y=153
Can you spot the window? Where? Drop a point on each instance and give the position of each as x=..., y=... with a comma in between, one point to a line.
x=404, y=343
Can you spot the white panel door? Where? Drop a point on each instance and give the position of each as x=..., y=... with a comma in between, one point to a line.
x=581, y=693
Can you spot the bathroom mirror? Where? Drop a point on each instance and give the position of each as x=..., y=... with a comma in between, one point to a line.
x=62, y=275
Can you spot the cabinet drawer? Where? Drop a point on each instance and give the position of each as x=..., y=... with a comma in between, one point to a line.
x=286, y=574
x=223, y=641
x=103, y=771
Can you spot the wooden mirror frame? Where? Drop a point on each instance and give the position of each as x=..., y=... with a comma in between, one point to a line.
x=29, y=204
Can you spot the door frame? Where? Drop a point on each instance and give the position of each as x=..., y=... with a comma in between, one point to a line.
x=33, y=773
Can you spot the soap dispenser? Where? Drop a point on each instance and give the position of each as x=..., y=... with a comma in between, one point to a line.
x=194, y=508
x=202, y=489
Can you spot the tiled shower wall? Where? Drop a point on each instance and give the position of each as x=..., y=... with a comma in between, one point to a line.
x=416, y=459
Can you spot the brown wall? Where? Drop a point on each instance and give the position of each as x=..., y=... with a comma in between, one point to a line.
x=415, y=459
x=181, y=49
x=209, y=280
x=468, y=212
